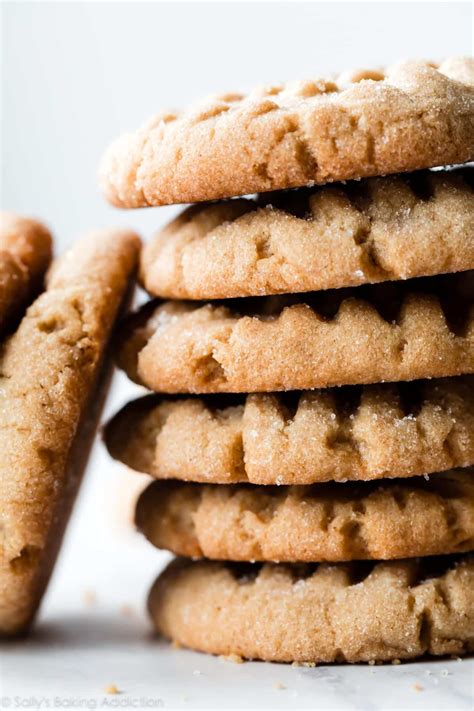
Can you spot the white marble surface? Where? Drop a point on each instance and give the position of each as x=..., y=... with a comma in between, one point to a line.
x=74, y=656
x=86, y=639
x=74, y=659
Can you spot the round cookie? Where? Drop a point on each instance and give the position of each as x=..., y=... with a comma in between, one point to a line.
x=324, y=522
x=25, y=254
x=318, y=613
x=352, y=433
x=366, y=122
x=53, y=380
x=394, y=331
x=377, y=230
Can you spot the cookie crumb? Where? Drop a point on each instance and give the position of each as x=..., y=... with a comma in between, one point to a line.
x=127, y=611
x=111, y=689
x=279, y=685
x=89, y=598
x=303, y=664
x=235, y=658
x=396, y=661
x=371, y=662
x=417, y=687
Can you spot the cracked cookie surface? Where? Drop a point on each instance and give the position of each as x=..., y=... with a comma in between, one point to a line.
x=352, y=433
x=25, y=254
x=366, y=122
x=324, y=522
x=421, y=328
x=50, y=400
x=357, y=612
x=380, y=229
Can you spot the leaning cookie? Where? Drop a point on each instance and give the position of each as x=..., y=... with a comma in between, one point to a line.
x=366, y=122
x=324, y=522
x=352, y=433
x=25, y=254
x=356, y=612
x=421, y=328
x=50, y=400
x=377, y=230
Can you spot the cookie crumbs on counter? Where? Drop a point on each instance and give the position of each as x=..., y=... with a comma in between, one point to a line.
x=396, y=661
x=89, y=598
x=235, y=658
x=279, y=685
x=127, y=611
x=111, y=689
x=417, y=687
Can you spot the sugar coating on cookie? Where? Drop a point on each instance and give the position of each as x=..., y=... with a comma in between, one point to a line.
x=374, y=230
x=343, y=434
x=50, y=399
x=366, y=122
x=392, y=331
x=25, y=254
x=359, y=612
x=324, y=522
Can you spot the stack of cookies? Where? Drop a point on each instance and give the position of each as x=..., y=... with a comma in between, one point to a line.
x=312, y=427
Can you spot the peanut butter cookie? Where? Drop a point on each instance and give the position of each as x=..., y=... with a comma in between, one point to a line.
x=366, y=122
x=359, y=612
x=25, y=254
x=324, y=522
x=394, y=331
x=50, y=400
x=351, y=433
x=380, y=229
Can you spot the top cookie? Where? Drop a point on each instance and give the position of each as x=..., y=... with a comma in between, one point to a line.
x=379, y=229
x=364, y=123
x=49, y=405
x=25, y=254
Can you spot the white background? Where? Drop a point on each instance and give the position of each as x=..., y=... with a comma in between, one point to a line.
x=74, y=76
